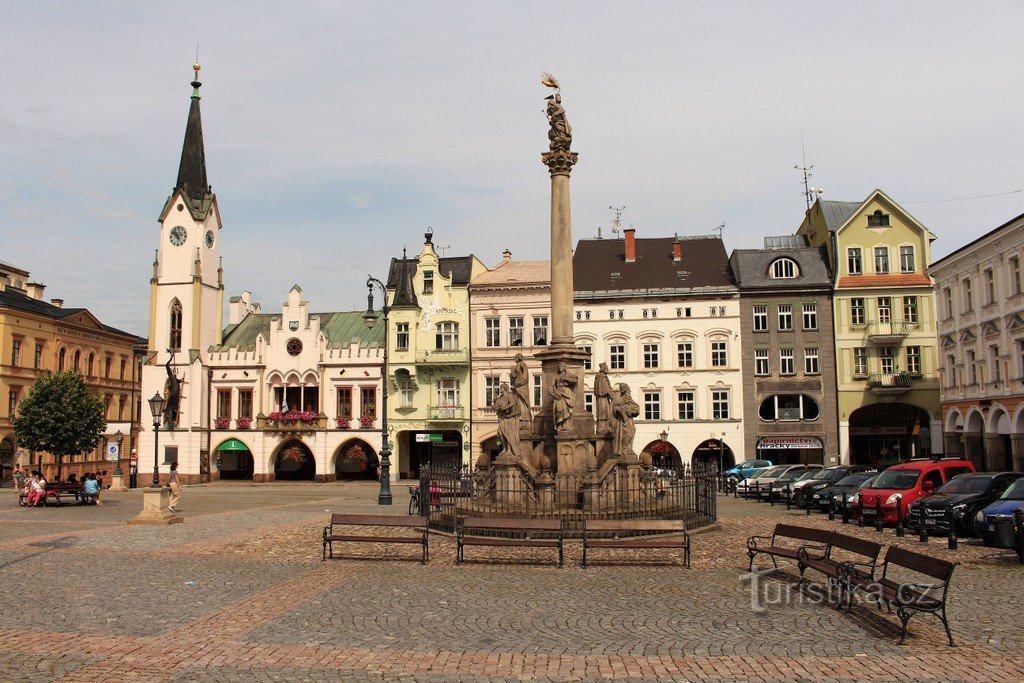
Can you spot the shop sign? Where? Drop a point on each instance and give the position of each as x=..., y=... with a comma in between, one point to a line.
x=791, y=442
x=878, y=430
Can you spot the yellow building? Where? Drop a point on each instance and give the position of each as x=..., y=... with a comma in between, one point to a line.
x=884, y=311
x=38, y=335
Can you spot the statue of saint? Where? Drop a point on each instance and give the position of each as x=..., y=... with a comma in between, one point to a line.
x=602, y=397
x=563, y=397
x=624, y=409
x=520, y=377
x=506, y=405
x=173, y=390
x=560, y=134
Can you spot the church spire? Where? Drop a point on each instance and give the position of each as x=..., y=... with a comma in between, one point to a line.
x=192, y=169
x=404, y=295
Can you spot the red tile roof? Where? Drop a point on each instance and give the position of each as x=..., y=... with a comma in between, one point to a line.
x=860, y=281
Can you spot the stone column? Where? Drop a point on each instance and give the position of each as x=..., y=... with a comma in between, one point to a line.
x=560, y=164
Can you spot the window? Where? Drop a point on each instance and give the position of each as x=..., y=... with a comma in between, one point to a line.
x=492, y=332
x=120, y=406
x=972, y=368
x=968, y=296
x=881, y=260
x=951, y=371
x=910, y=309
x=175, y=337
x=38, y=361
x=760, y=318
x=540, y=330
x=344, y=401
x=811, y=360
x=106, y=366
x=719, y=354
x=124, y=364
x=785, y=316
x=990, y=286
x=786, y=362
x=907, y=259
x=761, y=362
x=12, y=402
x=428, y=282
x=538, y=389
x=994, y=371
x=61, y=356
x=857, y=311
x=401, y=336
x=447, y=393
x=515, y=331
x=854, y=261
x=720, y=404
x=617, y=356
x=652, y=405
x=860, y=362
x=878, y=220
x=293, y=346
x=447, y=336
x=887, y=358
x=684, y=354
x=1015, y=283
x=810, y=316
x=588, y=362
x=687, y=405
x=245, y=403
x=783, y=268
x=89, y=366
x=491, y=386
x=652, y=355
x=914, y=360
x=78, y=360
x=16, y=352
x=406, y=387
x=787, y=407
x=884, y=304
x=947, y=297
x=588, y=402
x=223, y=403
x=368, y=402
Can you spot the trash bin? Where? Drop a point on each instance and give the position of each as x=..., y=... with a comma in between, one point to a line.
x=1003, y=533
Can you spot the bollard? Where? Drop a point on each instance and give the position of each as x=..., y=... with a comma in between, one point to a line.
x=922, y=530
x=771, y=491
x=757, y=490
x=951, y=537
x=899, y=516
x=832, y=509
x=860, y=511
x=808, y=501
x=789, y=497
x=878, y=514
x=1019, y=518
x=846, y=509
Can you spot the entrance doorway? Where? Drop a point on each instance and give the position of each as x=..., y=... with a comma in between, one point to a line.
x=663, y=454
x=442, y=448
x=294, y=462
x=885, y=433
x=235, y=461
x=355, y=460
x=714, y=453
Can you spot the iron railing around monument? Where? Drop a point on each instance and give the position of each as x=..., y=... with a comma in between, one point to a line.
x=448, y=493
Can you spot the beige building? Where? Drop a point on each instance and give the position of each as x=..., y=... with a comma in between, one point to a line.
x=981, y=342
x=884, y=312
x=37, y=336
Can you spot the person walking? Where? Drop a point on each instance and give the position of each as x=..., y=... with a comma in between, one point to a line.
x=175, y=488
x=19, y=478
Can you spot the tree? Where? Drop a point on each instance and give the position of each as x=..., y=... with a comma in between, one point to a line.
x=60, y=416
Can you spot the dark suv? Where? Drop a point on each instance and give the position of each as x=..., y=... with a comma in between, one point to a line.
x=803, y=489
x=965, y=495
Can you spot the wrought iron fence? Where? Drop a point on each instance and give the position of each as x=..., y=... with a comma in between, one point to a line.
x=448, y=493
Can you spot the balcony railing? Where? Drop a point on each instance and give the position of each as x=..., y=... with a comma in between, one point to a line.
x=889, y=332
x=891, y=383
x=443, y=357
x=445, y=413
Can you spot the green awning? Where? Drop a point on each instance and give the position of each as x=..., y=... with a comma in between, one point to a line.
x=232, y=445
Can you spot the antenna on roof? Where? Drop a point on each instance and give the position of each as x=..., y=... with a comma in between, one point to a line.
x=720, y=228
x=617, y=221
x=441, y=248
x=810, y=193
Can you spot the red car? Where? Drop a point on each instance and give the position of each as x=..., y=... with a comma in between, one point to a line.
x=904, y=483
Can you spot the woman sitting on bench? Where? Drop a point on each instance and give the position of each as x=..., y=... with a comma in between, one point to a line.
x=91, y=490
x=37, y=489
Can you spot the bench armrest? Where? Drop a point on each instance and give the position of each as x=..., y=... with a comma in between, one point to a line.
x=804, y=553
x=849, y=566
x=924, y=588
x=752, y=541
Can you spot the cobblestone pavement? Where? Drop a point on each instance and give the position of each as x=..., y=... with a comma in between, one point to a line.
x=238, y=593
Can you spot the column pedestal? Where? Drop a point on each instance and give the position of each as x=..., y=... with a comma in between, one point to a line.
x=154, y=508
x=117, y=484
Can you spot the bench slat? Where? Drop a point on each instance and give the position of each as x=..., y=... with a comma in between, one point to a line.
x=377, y=539
x=380, y=520
x=630, y=543
x=512, y=523
x=633, y=525
x=516, y=542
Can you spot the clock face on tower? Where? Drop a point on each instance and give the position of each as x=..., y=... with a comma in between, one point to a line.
x=178, y=235
x=209, y=239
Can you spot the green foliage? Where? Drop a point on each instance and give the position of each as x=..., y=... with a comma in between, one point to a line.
x=60, y=416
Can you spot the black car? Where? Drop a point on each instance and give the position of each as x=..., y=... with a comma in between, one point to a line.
x=811, y=482
x=966, y=494
x=842, y=489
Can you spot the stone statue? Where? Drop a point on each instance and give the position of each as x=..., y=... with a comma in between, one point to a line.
x=506, y=405
x=173, y=391
x=563, y=396
x=602, y=397
x=560, y=134
x=520, y=377
x=624, y=409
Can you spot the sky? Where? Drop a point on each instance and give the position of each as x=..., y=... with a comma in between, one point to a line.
x=337, y=132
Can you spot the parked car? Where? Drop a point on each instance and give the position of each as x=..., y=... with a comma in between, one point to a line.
x=1003, y=508
x=902, y=484
x=843, y=490
x=815, y=480
x=753, y=483
x=744, y=470
x=775, y=486
x=967, y=494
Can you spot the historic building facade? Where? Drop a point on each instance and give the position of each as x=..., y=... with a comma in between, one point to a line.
x=663, y=314
x=429, y=343
x=788, y=352
x=886, y=344
x=981, y=342
x=37, y=336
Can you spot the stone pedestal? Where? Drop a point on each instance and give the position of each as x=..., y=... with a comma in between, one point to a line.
x=154, y=508
x=117, y=484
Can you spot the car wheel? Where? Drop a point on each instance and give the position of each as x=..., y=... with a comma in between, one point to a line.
x=798, y=499
x=988, y=540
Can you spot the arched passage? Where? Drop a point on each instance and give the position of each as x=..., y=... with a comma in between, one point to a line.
x=490, y=448
x=663, y=454
x=714, y=453
x=974, y=439
x=885, y=433
x=234, y=460
x=294, y=462
x=355, y=459
x=7, y=463
x=999, y=445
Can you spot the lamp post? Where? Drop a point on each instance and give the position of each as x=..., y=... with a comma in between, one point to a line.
x=370, y=319
x=118, y=438
x=156, y=406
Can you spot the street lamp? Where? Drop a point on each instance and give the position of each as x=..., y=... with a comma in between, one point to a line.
x=118, y=438
x=370, y=319
x=156, y=406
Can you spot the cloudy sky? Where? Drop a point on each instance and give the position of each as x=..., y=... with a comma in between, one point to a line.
x=337, y=132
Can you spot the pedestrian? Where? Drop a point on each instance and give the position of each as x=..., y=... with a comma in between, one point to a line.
x=19, y=477
x=37, y=489
x=175, y=487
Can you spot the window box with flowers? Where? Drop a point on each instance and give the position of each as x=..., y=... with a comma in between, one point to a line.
x=367, y=421
x=344, y=422
x=292, y=419
x=222, y=423
x=243, y=423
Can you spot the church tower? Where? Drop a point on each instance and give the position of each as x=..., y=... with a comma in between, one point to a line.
x=185, y=312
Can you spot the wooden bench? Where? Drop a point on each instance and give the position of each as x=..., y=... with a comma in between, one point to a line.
x=415, y=523
x=662, y=527
x=63, y=488
x=839, y=570
x=518, y=530
x=812, y=539
x=907, y=598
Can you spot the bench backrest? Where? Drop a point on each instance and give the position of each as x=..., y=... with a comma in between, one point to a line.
x=923, y=564
x=855, y=545
x=512, y=523
x=63, y=486
x=380, y=520
x=633, y=525
x=801, y=533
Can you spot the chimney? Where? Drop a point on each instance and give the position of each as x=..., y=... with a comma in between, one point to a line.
x=506, y=256
x=35, y=290
x=677, y=251
x=630, y=234
x=59, y=303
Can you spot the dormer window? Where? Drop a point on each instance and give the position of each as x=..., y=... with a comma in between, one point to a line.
x=878, y=219
x=428, y=282
x=783, y=268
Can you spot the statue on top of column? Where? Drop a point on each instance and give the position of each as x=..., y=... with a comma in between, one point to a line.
x=560, y=135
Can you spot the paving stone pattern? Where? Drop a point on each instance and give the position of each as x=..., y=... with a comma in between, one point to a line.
x=238, y=593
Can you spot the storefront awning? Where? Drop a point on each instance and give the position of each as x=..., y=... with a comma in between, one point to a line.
x=232, y=445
